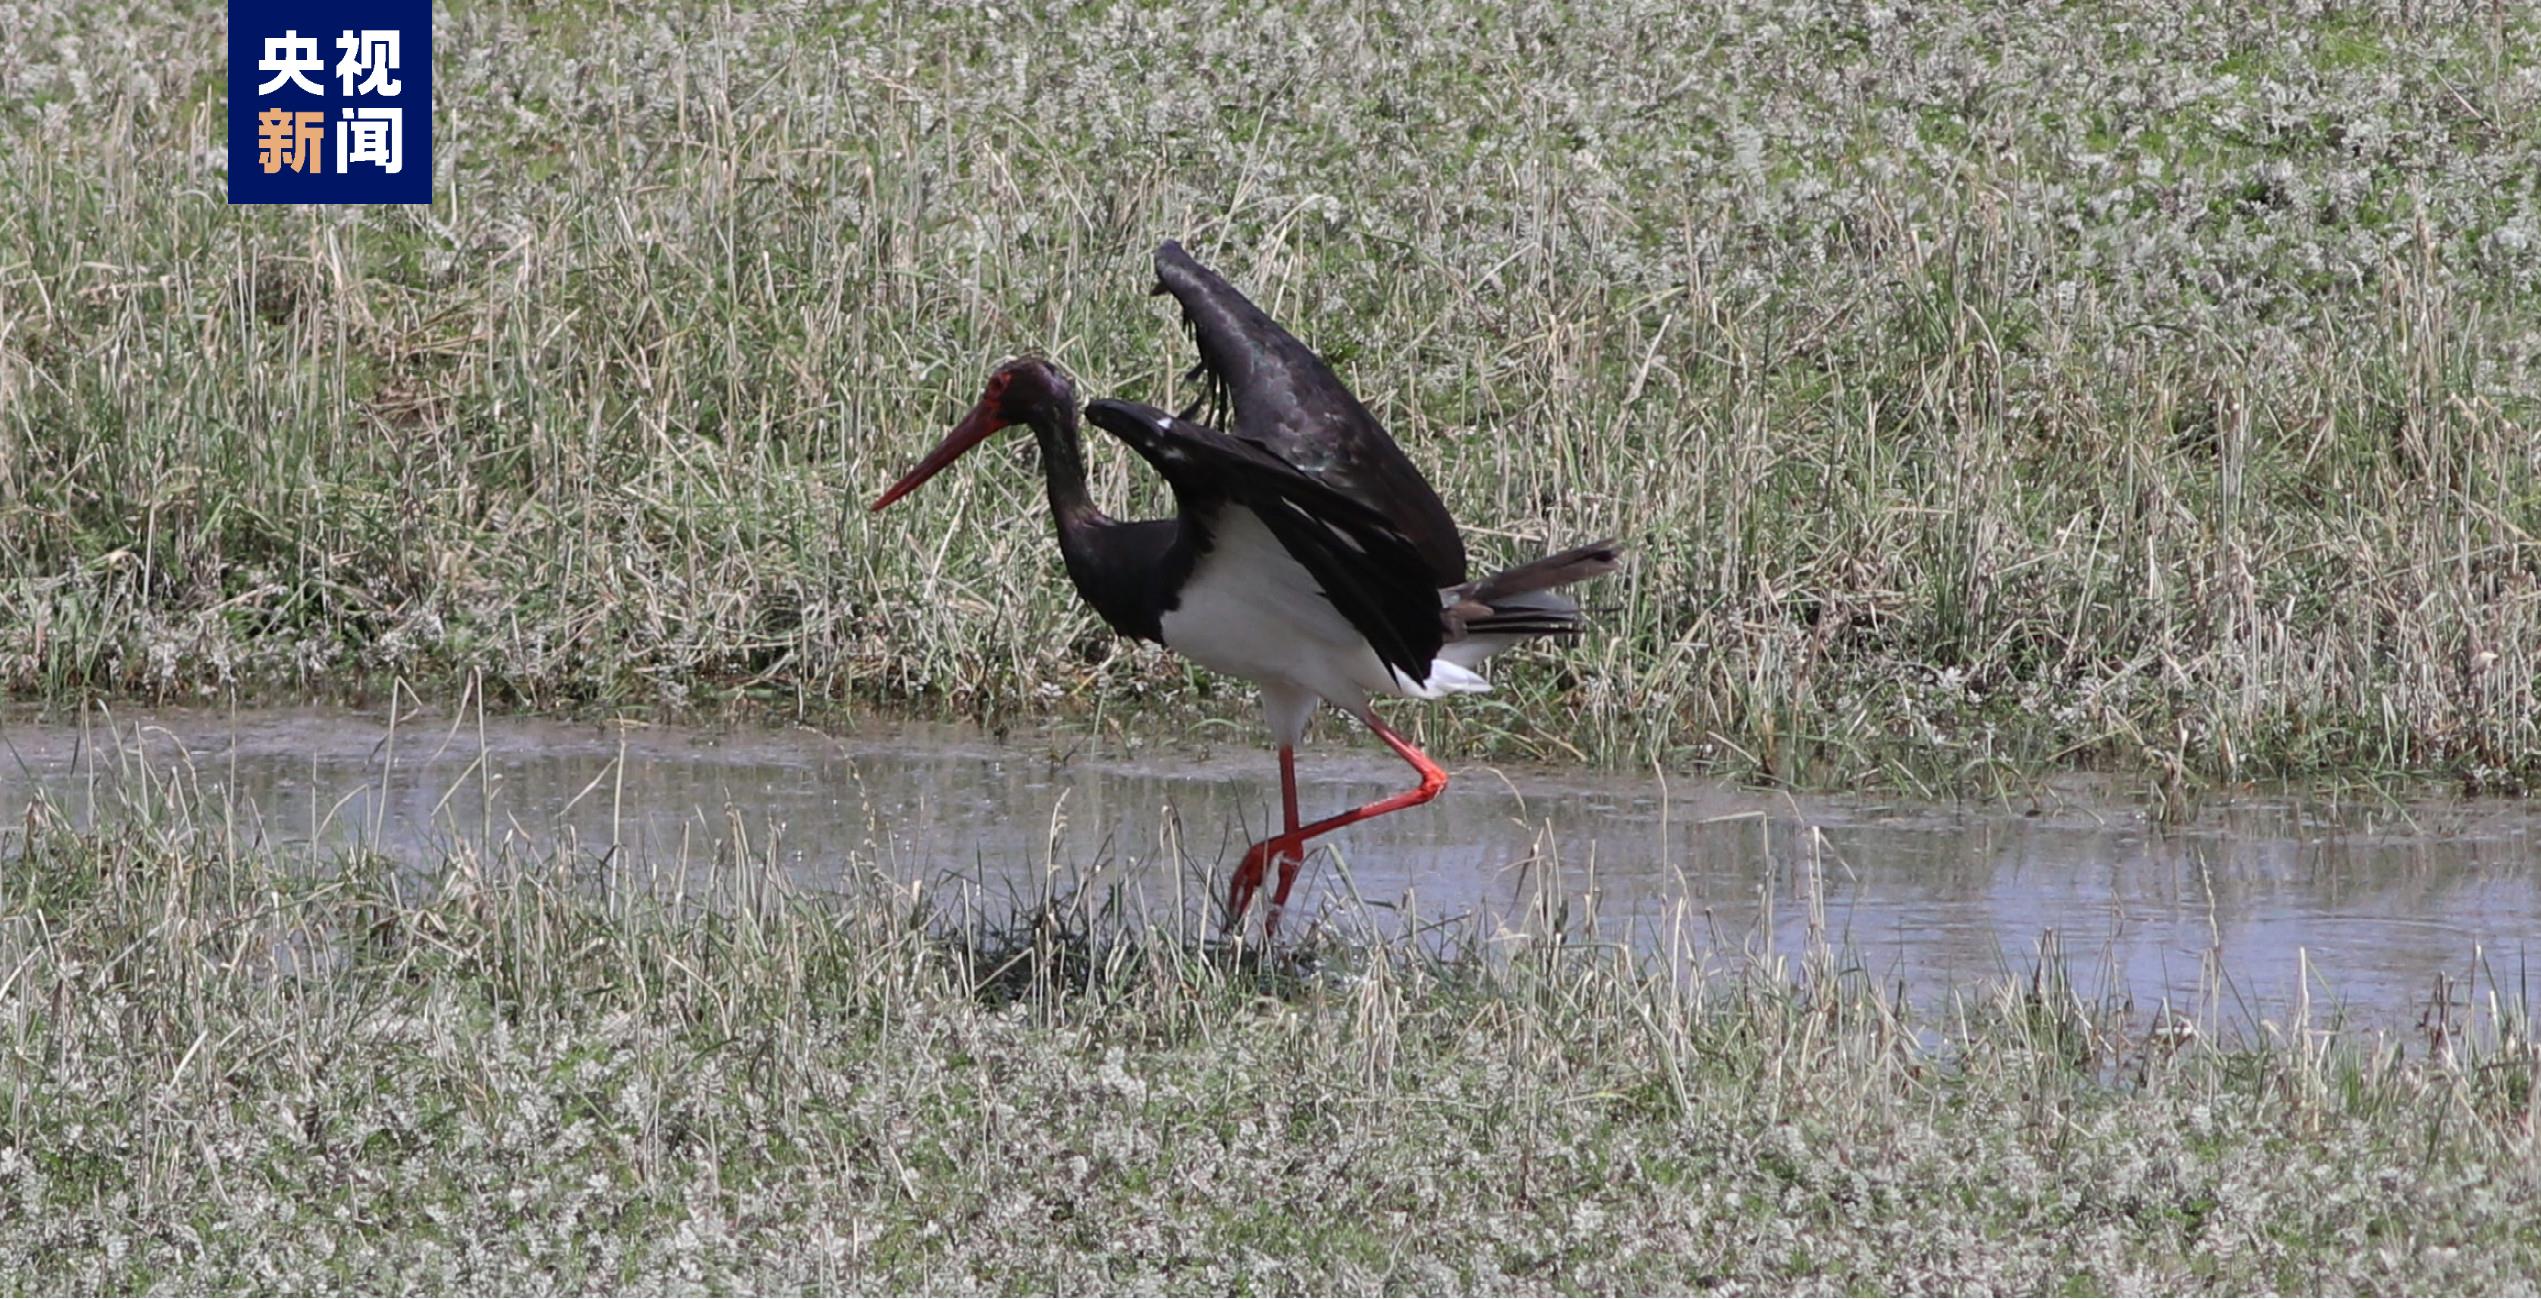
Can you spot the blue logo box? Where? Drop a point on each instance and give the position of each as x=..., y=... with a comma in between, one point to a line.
x=330, y=103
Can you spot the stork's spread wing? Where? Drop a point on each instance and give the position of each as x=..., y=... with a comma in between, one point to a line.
x=1284, y=399
x=1367, y=567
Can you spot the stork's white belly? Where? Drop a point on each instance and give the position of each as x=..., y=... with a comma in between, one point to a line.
x=1250, y=610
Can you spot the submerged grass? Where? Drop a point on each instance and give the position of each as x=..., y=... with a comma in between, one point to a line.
x=234, y=1065
x=1982, y=388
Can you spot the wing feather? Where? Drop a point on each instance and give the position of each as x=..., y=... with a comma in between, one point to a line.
x=1282, y=398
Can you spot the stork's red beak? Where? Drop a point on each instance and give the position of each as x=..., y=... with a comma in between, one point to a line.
x=973, y=430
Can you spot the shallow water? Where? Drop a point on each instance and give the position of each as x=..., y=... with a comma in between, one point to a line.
x=2217, y=917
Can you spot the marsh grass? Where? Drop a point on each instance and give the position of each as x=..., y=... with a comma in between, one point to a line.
x=233, y=1063
x=1981, y=389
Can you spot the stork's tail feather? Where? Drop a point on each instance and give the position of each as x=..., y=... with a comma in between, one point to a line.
x=1521, y=601
x=1577, y=564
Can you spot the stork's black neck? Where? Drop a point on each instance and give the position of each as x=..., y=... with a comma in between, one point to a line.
x=1063, y=467
x=1126, y=570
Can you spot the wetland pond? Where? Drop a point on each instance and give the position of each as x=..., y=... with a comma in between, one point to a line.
x=2255, y=909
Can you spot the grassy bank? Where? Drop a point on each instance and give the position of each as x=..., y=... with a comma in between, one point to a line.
x=230, y=1067
x=1982, y=388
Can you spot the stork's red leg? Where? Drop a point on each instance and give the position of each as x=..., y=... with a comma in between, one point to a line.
x=1240, y=890
x=1288, y=788
x=1248, y=875
x=1290, y=847
x=1432, y=781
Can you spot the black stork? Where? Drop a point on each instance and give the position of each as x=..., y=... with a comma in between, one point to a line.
x=1307, y=554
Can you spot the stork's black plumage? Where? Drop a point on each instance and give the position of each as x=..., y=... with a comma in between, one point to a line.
x=1375, y=575
x=1285, y=400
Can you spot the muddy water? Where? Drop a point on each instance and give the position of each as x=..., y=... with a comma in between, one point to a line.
x=2219, y=917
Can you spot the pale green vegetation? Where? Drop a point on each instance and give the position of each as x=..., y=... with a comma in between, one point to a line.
x=1983, y=389
x=227, y=1065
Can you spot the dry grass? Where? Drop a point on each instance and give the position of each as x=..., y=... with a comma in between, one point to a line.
x=231, y=1065
x=1983, y=389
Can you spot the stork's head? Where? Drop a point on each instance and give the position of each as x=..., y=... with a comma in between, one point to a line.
x=1022, y=391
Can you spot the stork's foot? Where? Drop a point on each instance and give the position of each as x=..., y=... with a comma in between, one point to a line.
x=1288, y=854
